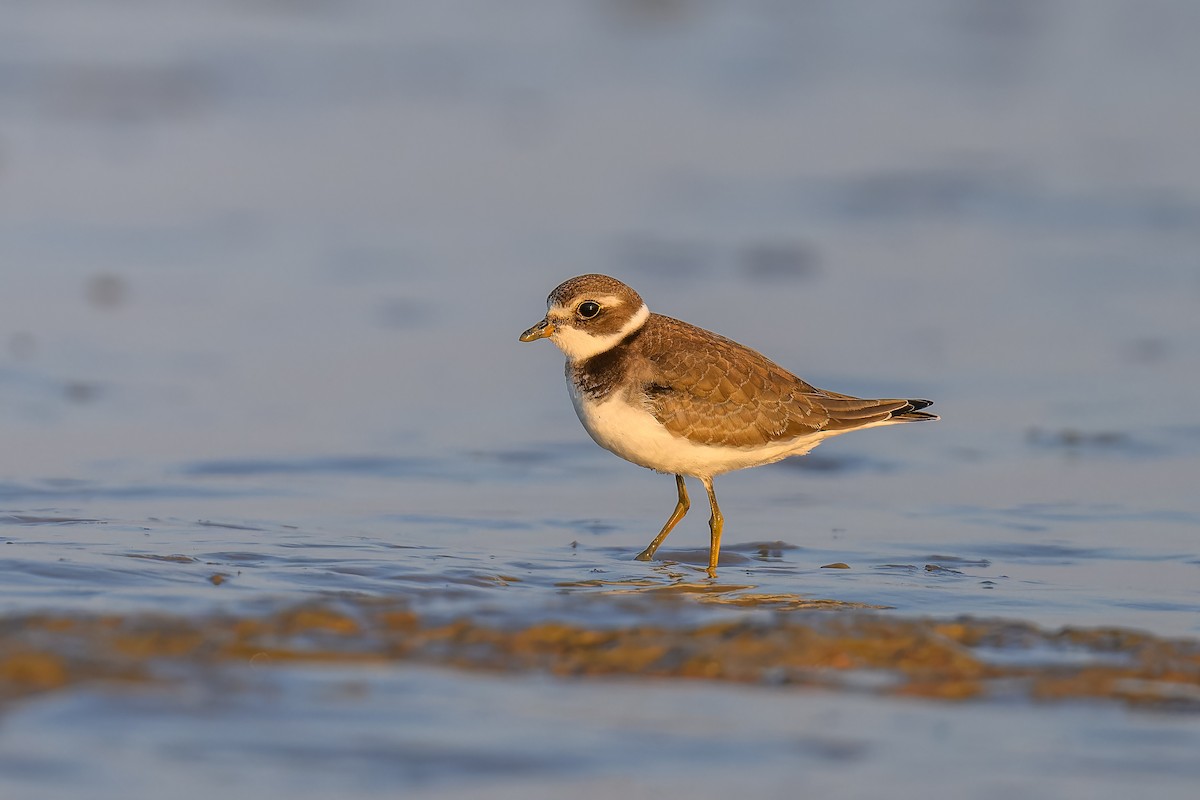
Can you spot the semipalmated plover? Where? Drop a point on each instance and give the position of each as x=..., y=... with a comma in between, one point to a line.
x=678, y=399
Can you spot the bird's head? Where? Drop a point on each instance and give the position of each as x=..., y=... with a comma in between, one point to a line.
x=588, y=315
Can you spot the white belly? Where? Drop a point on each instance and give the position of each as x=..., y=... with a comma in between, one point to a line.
x=635, y=435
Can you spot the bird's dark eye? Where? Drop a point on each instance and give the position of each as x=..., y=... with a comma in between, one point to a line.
x=588, y=309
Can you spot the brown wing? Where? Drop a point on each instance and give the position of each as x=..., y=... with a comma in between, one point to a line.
x=718, y=392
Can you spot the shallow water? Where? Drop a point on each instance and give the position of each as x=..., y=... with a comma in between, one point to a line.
x=443, y=735
x=263, y=269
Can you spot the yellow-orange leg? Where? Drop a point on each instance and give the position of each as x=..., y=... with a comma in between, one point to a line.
x=716, y=524
x=681, y=508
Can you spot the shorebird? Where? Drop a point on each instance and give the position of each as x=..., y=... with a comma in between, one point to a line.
x=678, y=399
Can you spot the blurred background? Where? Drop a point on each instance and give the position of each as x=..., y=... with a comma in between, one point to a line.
x=308, y=227
x=263, y=265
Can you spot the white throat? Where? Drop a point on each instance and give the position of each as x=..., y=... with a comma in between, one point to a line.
x=579, y=345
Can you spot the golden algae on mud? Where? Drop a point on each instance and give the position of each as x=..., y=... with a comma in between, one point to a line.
x=944, y=660
x=32, y=671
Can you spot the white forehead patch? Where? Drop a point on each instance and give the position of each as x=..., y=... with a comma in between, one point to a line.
x=580, y=345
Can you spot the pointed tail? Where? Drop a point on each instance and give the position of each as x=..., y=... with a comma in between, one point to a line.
x=913, y=413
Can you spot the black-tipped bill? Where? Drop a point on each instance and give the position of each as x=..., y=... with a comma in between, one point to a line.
x=542, y=330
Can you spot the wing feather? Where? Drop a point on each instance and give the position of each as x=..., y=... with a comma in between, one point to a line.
x=715, y=391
